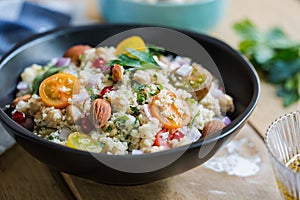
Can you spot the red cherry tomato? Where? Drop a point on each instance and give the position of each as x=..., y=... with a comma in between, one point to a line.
x=162, y=139
x=177, y=135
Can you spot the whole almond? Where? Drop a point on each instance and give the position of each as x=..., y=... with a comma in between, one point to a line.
x=117, y=73
x=100, y=112
x=212, y=127
x=75, y=52
x=25, y=98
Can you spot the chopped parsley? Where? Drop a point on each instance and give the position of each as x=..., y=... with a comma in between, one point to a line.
x=91, y=93
x=141, y=98
x=109, y=129
x=120, y=122
x=135, y=111
x=50, y=137
x=158, y=89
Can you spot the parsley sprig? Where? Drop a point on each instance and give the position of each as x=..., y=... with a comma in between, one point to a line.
x=275, y=56
x=137, y=60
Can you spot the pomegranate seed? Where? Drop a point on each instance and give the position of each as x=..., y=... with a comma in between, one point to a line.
x=19, y=117
x=99, y=63
x=105, y=90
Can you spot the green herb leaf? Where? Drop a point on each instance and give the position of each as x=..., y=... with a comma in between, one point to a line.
x=247, y=30
x=155, y=92
x=91, y=93
x=135, y=111
x=142, y=60
x=142, y=56
x=155, y=50
x=141, y=98
x=39, y=78
x=120, y=122
x=50, y=137
x=109, y=129
x=138, y=87
x=274, y=55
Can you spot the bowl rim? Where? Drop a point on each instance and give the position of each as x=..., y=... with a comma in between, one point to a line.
x=41, y=37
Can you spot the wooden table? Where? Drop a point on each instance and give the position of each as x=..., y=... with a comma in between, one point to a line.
x=23, y=177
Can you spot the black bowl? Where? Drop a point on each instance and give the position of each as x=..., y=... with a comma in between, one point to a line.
x=239, y=77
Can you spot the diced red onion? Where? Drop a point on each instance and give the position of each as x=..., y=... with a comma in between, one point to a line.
x=184, y=70
x=65, y=132
x=226, y=121
x=146, y=111
x=161, y=64
x=192, y=133
x=216, y=93
x=106, y=69
x=183, y=60
x=81, y=97
x=63, y=62
x=93, y=80
x=22, y=85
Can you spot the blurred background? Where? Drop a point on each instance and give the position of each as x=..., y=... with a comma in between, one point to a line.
x=20, y=18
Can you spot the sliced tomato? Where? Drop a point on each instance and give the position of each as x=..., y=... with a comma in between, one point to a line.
x=165, y=136
x=173, y=119
x=58, y=88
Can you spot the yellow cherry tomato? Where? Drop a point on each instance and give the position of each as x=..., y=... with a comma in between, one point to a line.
x=134, y=42
x=58, y=88
x=83, y=142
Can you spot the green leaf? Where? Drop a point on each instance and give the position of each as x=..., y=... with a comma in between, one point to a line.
x=263, y=53
x=155, y=50
x=247, y=47
x=289, y=97
x=135, y=111
x=274, y=55
x=145, y=66
x=109, y=129
x=141, y=98
x=125, y=61
x=91, y=93
x=142, y=56
x=283, y=70
x=138, y=87
x=142, y=61
x=286, y=54
x=277, y=39
x=247, y=30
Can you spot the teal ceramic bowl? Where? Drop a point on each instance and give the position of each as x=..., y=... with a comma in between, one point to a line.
x=199, y=16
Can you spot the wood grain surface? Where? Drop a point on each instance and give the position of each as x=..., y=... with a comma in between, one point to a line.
x=23, y=177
